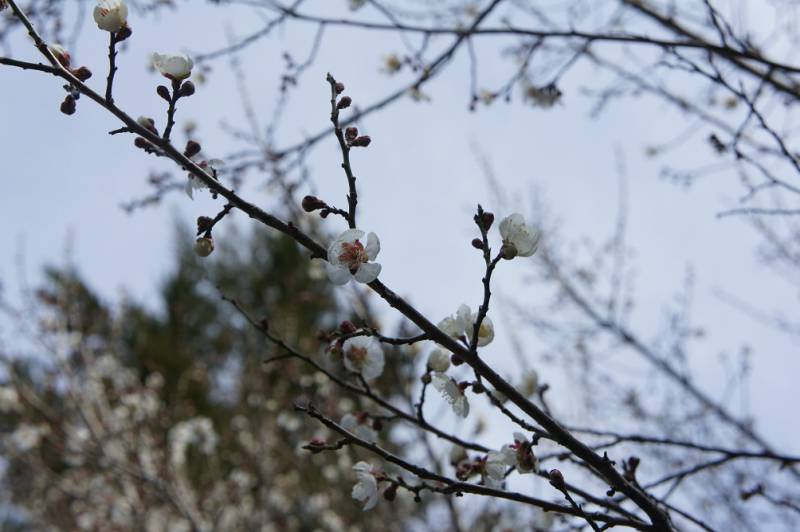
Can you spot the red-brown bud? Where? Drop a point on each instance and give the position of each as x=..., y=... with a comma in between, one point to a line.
x=350, y=134
x=477, y=243
x=347, y=327
x=557, y=479
x=488, y=220
x=68, y=105
x=124, y=33
x=82, y=73
x=163, y=91
x=203, y=223
x=313, y=203
x=142, y=143
x=456, y=360
x=192, y=148
x=187, y=89
x=344, y=103
x=362, y=141
x=339, y=87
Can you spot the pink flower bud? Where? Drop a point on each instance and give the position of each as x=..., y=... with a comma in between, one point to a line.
x=344, y=103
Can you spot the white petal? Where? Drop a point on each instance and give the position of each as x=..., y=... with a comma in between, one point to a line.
x=373, y=367
x=373, y=246
x=350, y=236
x=368, y=272
x=338, y=275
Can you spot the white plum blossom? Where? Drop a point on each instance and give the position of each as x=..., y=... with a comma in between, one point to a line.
x=462, y=323
x=366, y=489
x=519, y=238
x=195, y=183
x=111, y=15
x=496, y=464
x=522, y=453
x=349, y=258
x=457, y=324
x=359, y=426
x=485, y=331
x=530, y=383
x=364, y=355
x=438, y=361
x=452, y=393
x=176, y=67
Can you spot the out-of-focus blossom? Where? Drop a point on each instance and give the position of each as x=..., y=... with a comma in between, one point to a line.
x=438, y=361
x=176, y=67
x=197, y=431
x=364, y=355
x=359, y=426
x=27, y=437
x=544, y=97
x=9, y=399
x=366, y=489
x=519, y=238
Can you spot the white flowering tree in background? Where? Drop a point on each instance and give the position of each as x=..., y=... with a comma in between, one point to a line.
x=258, y=403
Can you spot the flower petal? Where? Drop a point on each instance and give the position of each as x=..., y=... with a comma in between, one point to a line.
x=373, y=246
x=368, y=272
x=338, y=275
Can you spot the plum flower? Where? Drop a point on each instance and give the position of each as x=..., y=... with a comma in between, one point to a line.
x=363, y=354
x=457, y=324
x=366, y=489
x=496, y=464
x=60, y=53
x=519, y=238
x=462, y=323
x=485, y=331
x=349, y=258
x=522, y=454
x=452, y=392
x=195, y=183
x=176, y=67
x=438, y=361
x=359, y=426
x=111, y=15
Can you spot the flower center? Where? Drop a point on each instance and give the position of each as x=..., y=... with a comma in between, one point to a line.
x=357, y=355
x=353, y=255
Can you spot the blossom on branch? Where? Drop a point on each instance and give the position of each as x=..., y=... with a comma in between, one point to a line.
x=462, y=324
x=359, y=425
x=111, y=15
x=496, y=464
x=519, y=238
x=349, y=259
x=60, y=53
x=438, y=361
x=366, y=489
x=176, y=67
x=452, y=392
x=363, y=354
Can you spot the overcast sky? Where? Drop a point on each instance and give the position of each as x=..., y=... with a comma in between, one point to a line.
x=419, y=183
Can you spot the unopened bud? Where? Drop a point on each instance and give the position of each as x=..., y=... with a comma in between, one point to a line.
x=456, y=360
x=60, y=53
x=347, y=327
x=488, y=220
x=187, y=89
x=192, y=148
x=141, y=143
x=344, y=103
x=362, y=141
x=148, y=123
x=82, y=73
x=163, y=91
x=557, y=479
x=477, y=243
x=315, y=446
x=313, y=203
x=477, y=387
x=68, y=105
x=203, y=223
x=124, y=33
x=350, y=134
x=390, y=493
x=339, y=87
x=203, y=246
x=426, y=378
